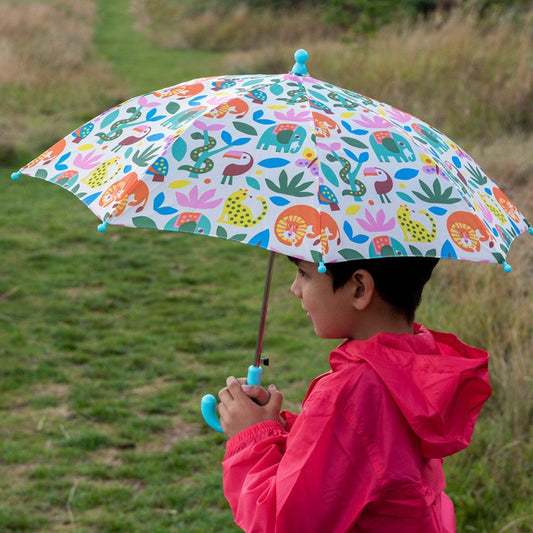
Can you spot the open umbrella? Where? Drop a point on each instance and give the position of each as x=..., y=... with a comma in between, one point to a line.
x=288, y=163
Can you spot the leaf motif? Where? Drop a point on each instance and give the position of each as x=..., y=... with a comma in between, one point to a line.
x=329, y=174
x=90, y=199
x=257, y=117
x=247, y=129
x=273, y=162
x=108, y=119
x=405, y=197
x=226, y=137
x=240, y=142
x=179, y=148
x=350, y=255
x=279, y=201
x=222, y=233
x=160, y=208
x=59, y=165
x=172, y=108
x=356, y=143
x=253, y=183
x=144, y=222
x=405, y=174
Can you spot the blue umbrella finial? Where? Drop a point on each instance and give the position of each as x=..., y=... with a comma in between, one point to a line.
x=299, y=68
x=102, y=227
x=15, y=176
x=507, y=267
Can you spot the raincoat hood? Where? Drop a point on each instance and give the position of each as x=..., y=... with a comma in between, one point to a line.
x=438, y=383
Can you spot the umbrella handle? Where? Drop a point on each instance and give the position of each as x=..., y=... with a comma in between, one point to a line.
x=208, y=403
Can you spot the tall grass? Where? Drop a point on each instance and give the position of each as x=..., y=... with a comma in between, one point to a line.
x=100, y=430
x=47, y=54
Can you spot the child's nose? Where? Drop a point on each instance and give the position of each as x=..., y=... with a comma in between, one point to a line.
x=295, y=291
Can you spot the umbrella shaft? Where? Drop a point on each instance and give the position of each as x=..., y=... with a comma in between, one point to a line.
x=264, y=307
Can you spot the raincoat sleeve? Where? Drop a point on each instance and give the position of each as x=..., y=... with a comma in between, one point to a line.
x=315, y=478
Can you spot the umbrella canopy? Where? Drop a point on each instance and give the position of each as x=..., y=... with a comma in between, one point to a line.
x=288, y=163
x=285, y=162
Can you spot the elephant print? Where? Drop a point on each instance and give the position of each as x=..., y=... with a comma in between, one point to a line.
x=389, y=144
x=430, y=137
x=468, y=231
x=300, y=221
x=283, y=137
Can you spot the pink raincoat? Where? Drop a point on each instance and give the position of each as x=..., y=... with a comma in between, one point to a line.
x=365, y=454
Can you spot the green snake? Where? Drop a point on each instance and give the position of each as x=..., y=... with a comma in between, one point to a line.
x=344, y=175
x=344, y=102
x=296, y=96
x=207, y=164
x=117, y=124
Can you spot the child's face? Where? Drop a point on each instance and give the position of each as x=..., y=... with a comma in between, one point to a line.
x=331, y=313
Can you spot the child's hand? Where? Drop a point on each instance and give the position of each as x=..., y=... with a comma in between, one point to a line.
x=257, y=393
x=239, y=411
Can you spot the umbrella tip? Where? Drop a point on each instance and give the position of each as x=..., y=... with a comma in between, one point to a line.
x=103, y=226
x=299, y=68
x=322, y=267
x=531, y=230
x=507, y=267
x=15, y=176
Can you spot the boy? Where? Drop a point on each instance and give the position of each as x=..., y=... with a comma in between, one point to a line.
x=365, y=454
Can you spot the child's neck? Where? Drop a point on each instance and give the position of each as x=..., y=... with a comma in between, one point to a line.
x=381, y=320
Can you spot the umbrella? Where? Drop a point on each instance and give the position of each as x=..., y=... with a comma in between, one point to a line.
x=288, y=163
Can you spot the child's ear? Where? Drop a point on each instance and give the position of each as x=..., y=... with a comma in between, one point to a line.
x=363, y=289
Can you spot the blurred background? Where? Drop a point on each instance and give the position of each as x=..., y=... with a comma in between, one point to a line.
x=108, y=341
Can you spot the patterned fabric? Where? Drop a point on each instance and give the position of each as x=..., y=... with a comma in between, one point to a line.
x=288, y=163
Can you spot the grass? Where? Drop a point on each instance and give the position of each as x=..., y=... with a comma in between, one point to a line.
x=108, y=341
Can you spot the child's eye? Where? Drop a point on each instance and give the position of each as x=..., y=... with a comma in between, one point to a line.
x=301, y=273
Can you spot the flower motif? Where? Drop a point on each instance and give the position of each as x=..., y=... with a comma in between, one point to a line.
x=369, y=223
x=87, y=161
x=212, y=127
x=202, y=202
x=374, y=122
x=292, y=116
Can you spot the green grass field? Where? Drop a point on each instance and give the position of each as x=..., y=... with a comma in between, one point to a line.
x=109, y=340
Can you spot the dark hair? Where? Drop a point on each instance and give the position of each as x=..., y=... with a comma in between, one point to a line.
x=398, y=280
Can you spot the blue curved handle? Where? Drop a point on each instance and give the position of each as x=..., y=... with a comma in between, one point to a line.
x=208, y=403
x=208, y=406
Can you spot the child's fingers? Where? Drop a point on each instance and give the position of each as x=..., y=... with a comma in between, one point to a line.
x=276, y=398
x=257, y=393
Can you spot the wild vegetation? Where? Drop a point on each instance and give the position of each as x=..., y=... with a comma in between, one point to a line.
x=108, y=341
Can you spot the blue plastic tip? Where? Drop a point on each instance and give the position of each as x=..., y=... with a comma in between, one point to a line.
x=16, y=175
x=322, y=267
x=103, y=226
x=530, y=230
x=507, y=267
x=299, y=68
